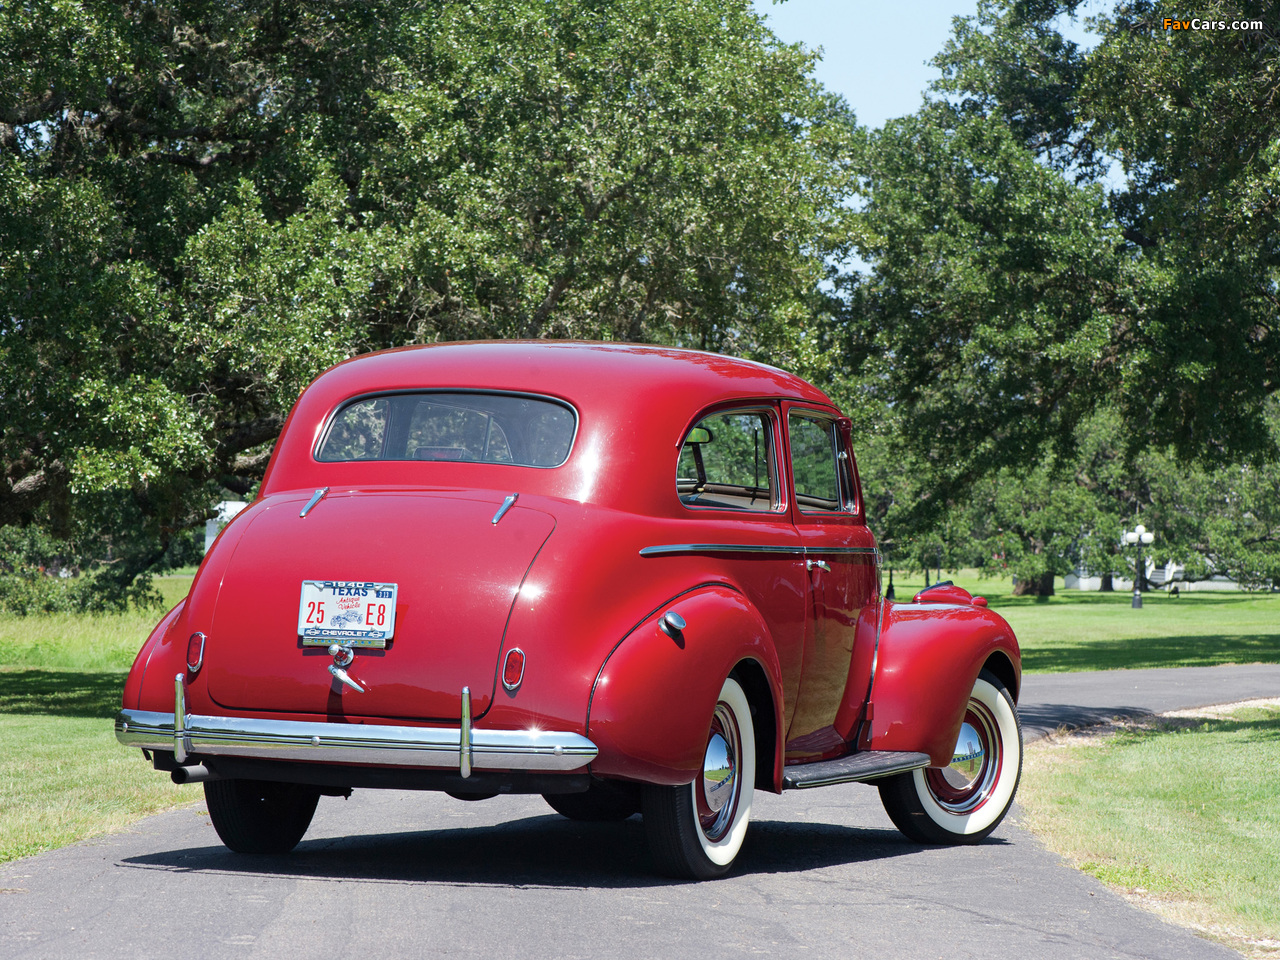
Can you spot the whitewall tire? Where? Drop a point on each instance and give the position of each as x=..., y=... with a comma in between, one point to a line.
x=696, y=830
x=965, y=801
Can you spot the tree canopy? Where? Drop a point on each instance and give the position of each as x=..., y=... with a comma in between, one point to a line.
x=1062, y=234
x=203, y=205
x=1048, y=298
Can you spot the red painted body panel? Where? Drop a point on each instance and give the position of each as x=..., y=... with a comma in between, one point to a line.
x=562, y=577
x=650, y=705
x=457, y=576
x=930, y=654
x=133, y=683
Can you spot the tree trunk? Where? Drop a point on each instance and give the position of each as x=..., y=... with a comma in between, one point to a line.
x=1041, y=586
x=1108, y=584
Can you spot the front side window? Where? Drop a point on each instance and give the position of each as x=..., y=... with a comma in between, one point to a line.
x=470, y=427
x=822, y=480
x=727, y=462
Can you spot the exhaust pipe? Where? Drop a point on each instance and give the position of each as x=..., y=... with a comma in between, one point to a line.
x=195, y=773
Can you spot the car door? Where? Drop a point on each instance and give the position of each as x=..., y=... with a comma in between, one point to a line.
x=843, y=584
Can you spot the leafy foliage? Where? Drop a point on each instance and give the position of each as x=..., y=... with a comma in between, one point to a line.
x=1017, y=299
x=202, y=206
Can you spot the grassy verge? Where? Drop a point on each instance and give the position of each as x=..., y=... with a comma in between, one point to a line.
x=1077, y=630
x=1182, y=816
x=63, y=776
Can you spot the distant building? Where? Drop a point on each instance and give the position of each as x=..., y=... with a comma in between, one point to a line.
x=226, y=510
x=1170, y=575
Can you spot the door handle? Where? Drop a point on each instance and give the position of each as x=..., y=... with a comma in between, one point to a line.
x=819, y=564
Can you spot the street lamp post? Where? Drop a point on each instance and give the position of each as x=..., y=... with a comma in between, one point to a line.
x=1141, y=537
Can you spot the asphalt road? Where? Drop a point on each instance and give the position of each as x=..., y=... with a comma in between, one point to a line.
x=399, y=875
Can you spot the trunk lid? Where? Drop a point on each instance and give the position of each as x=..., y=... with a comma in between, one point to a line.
x=457, y=575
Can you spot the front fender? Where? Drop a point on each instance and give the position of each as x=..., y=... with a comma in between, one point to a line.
x=930, y=654
x=653, y=698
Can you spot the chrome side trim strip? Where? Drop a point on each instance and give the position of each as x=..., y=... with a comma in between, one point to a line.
x=440, y=747
x=845, y=551
x=667, y=549
x=507, y=504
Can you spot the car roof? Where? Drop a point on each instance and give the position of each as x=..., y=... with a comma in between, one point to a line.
x=590, y=374
x=634, y=403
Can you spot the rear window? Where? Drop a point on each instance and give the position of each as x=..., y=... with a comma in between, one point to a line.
x=471, y=427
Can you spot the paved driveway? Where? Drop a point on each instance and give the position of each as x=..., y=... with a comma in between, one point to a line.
x=391, y=875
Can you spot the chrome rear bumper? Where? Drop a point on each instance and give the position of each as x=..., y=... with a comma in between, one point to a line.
x=462, y=748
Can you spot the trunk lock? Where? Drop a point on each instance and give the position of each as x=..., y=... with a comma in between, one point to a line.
x=342, y=658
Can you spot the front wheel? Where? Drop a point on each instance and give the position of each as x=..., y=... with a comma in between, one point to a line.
x=696, y=830
x=258, y=816
x=964, y=802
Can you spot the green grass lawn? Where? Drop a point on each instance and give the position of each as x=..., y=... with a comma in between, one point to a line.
x=1076, y=630
x=1181, y=815
x=63, y=776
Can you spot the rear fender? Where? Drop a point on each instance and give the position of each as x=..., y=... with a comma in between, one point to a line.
x=132, y=699
x=929, y=657
x=164, y=655
x=653, y=698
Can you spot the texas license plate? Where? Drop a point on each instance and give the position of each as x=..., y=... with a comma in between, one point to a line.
x=351, y=613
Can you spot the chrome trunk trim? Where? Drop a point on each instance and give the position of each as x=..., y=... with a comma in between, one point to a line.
x=376, y=744
x=507, y=504
x=315, y=498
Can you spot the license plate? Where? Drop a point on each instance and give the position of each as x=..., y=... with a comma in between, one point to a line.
x=351, y=613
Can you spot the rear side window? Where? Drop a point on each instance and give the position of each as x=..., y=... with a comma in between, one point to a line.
x=727, y=462
x=470, y=427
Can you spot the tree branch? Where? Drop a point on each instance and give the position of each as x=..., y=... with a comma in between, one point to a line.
x=244, y=436
x=20, y=499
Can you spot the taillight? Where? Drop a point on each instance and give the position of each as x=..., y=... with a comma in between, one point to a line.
x=513, y=668
x=195, y=652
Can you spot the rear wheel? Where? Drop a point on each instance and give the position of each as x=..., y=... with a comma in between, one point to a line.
x=603, y=801
x=965, y=801
x=695, y=831
x=258, y=816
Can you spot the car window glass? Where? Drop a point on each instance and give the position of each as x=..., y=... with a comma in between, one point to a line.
x=726, y=462
x=468, y=427
x=357, y=432
x=813, y=464
x=444, y=431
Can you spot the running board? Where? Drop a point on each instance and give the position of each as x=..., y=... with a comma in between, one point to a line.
x=870, y=765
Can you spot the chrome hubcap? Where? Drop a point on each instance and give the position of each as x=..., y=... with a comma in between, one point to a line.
x=718, y=787
x=717, y=773
x=966, y=783
x=967, y=759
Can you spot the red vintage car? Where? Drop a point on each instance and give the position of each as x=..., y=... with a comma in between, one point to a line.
x=628, y=578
